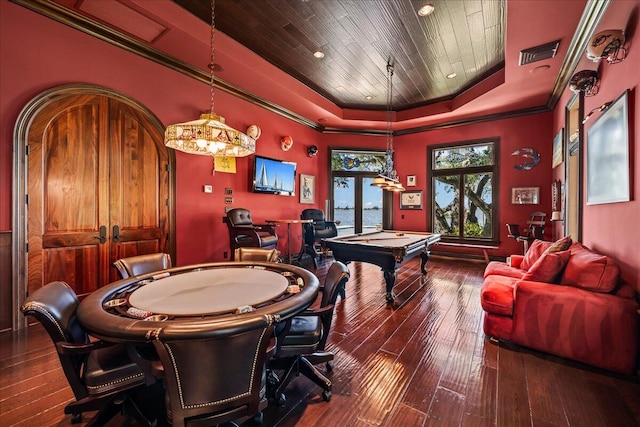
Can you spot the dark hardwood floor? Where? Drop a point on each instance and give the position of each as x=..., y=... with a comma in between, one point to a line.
x=425, y=361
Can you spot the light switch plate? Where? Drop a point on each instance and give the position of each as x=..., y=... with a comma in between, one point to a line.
x=208, y=189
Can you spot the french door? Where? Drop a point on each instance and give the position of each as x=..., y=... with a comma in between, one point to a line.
x=98, y=190
x=356, y=205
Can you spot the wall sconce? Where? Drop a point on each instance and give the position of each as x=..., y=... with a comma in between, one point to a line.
x=600, y=109
x=556, y=216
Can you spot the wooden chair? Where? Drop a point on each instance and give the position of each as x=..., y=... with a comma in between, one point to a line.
x=100, y=374
x=301, y=345
x=215, y=375
x=244, y=233
x=142, y=264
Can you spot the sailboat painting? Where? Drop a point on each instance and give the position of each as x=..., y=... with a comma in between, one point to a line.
x=274, y=176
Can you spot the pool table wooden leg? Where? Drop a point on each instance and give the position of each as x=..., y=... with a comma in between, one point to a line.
x=424, y=257
x=390, y=279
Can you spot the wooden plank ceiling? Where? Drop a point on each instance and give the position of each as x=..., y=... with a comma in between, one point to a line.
x=359, y=37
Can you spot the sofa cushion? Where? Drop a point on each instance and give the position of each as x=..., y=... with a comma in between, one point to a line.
x=589, y=270
x=560, y=245
x=535, y=251
x=548, y=268
x=496, y=295
x=503, y=269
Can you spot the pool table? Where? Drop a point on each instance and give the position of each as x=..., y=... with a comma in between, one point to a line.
x=388, y=249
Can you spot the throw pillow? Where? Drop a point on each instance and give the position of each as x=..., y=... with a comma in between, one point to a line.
x=536, y=250
x=560, y=245
x=548, y=268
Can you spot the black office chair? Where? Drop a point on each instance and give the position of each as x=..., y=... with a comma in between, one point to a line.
x=533, y=231
x=256, y=254
x=101, y=375
x=301, y=345
x=141, y=264
x=216, y=374
x=314, y=232
x=244, y=233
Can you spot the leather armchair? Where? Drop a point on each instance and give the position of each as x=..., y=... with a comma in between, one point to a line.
x=314, y=232
x=100, y=374
x=301, y=344
x=215, y=374
x=244, y=233
x=256, y=254
x=141, y=264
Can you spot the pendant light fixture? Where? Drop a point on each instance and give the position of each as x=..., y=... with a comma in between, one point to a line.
x=209, y=135
x=387, y=179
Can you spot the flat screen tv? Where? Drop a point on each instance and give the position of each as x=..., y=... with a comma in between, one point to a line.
x=274, y=176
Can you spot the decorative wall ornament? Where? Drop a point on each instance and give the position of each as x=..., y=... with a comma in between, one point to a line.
x=586, y=81
x=312, y=150
x=254, y=132
x=286, y=142
x=530, y=158
x=609, y=45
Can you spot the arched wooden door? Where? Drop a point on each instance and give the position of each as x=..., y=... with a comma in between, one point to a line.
x=99, y=187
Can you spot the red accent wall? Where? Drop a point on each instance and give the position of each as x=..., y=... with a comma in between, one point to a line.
x=38, y=54
x=612, y=229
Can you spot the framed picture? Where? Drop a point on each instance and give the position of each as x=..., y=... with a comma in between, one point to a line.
x=307, y=189
x=525, y=195
x=411, y=180
x=411, y=200
x=608, y=155
x=558, y=152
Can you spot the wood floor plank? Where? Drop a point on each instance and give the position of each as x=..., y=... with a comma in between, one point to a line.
x=423, y=360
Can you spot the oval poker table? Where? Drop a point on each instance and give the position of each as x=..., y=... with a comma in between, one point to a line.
x=190, y=298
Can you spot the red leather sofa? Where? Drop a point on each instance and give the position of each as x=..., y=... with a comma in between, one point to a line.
x=568, y=303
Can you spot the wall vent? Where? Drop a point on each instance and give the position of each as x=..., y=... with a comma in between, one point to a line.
x=538, y=53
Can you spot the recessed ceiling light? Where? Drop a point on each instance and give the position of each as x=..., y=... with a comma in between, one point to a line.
x=318, y=54
x=427, y=9
x=452, y=75
x=368, y=97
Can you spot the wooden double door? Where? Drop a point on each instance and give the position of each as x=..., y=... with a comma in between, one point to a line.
x=99, y=187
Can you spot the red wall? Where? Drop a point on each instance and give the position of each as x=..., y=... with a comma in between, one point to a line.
x=613, y=228
x=38, y=54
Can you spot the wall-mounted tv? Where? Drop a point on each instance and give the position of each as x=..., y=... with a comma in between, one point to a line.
x=274, y=176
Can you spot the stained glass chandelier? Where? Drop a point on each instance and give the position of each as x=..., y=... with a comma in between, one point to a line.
x=209, y=135
x=387, y=179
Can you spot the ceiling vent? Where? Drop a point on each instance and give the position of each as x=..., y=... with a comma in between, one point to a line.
x=539, y=53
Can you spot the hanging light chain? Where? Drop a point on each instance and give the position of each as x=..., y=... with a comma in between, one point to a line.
x=389, y=170
x=212, y=41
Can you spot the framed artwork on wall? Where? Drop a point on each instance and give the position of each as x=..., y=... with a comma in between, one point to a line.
x=307, y=189
x=608, y=155
x=558, y=149
x=411, y=200
x=525, y=195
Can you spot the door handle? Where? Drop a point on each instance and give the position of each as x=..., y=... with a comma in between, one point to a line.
x=116, y=233
x=103, y=235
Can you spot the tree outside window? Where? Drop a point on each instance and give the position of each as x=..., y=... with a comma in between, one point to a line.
x=463, y=177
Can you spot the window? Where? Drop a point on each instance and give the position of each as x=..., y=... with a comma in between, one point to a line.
x=464, y=185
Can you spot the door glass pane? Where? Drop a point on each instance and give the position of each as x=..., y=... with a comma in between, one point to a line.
x=344, y=204
x=446, y=205
x=371, y=205
x=477, y=205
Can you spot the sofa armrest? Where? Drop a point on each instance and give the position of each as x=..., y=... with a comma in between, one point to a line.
x=591, y=327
